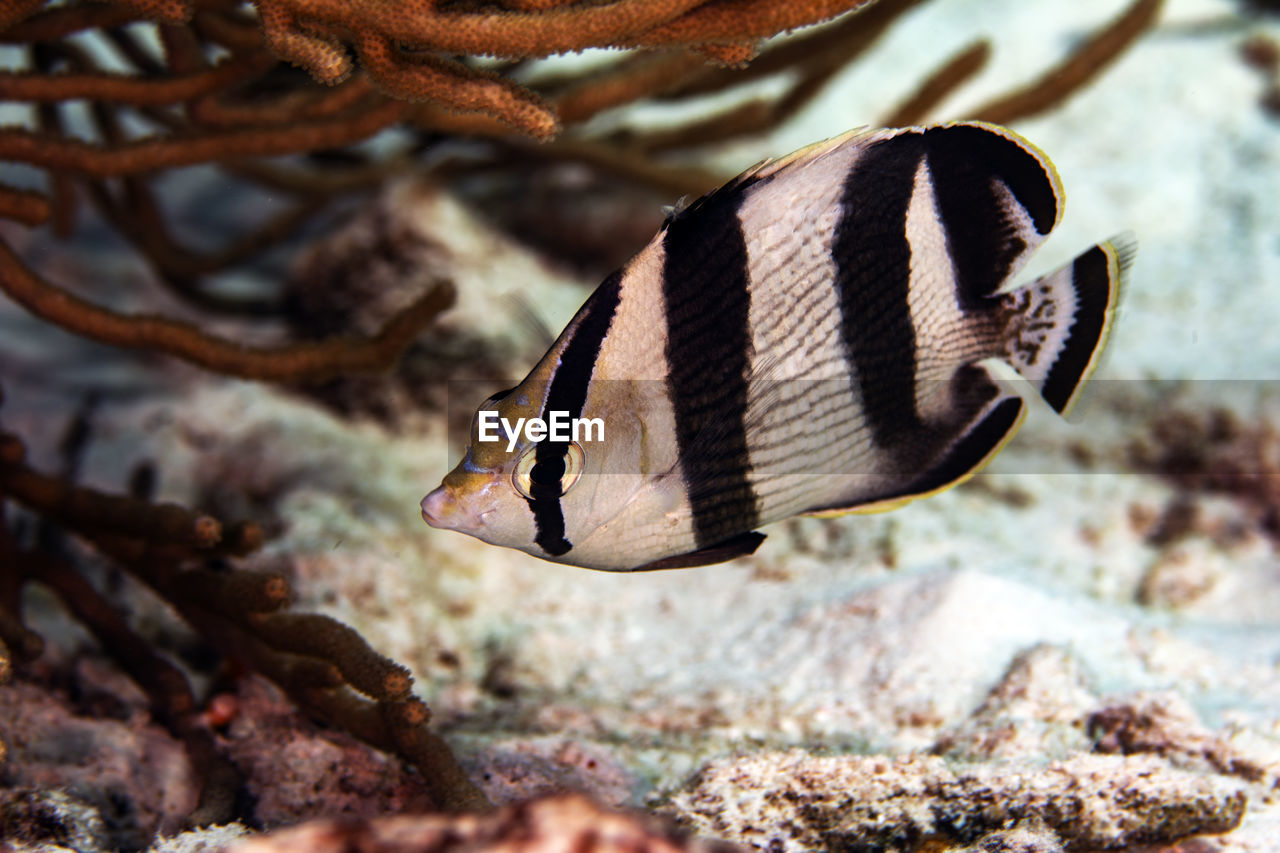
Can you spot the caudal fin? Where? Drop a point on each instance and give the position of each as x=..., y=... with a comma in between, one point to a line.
x=1057, y=325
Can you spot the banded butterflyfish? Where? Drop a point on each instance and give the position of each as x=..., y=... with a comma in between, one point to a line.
x=814, y=337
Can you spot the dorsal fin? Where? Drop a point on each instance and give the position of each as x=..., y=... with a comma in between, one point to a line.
x=997, y=197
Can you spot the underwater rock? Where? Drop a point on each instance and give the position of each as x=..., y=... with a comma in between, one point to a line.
x=1165, y=725
x=51, y=821
x=549, y=825
x=208, y=839
x=524, y=769
x=294, y=769
x=1019, y=840
x=130, y=773
x=1038, y=708
x=1182, y=575
x=794, y=801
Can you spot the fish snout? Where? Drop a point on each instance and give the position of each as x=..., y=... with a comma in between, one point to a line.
x=442, y=509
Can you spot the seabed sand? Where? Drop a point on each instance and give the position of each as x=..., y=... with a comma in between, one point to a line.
x=1010, y=637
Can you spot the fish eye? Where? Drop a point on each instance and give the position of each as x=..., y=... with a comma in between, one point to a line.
x=554, y=475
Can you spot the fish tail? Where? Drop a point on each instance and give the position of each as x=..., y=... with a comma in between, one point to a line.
x=1055, y=327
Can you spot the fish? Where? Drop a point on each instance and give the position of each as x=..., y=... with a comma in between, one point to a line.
x=821, y=335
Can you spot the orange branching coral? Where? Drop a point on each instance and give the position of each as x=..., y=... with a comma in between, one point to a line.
x=322, y=664
x=953, y=74
x=295, y=362
x=404, y=49
x=25, y=206
x=148, y=155
x=217, y=93
x=738, y=20
x=1083, y=65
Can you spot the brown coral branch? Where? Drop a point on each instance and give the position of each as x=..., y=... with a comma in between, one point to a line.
x=400, y=726
x=439, y=119
x=407, y=724
x=322, y=55
x=1085, y=64
x=17, y=642
x=836, y=44
x=648, y=74
x=168, y=11
x=730, y=55
x=123, y=88
x=317, y=182
x=816, y=56
x=295, y=674
x=319, y=636
x=561, y=29
x=139, y=218
x=234, y=593
x=301, y=104
x=83, y=508
x=235, y=32
x=358, y=716
x=49, y=120
x=312, y=33
x=183, y=51
x=534, y=5
x=755, y=116
x=631, y=165
x=291, y=363
x=18, y=24
x=735, y=20
x=420, y=77
x=164, y=683
x=167, y=689
x=148, y=155
x=18, y=10
x=951, y=75
x=316, y=660
x=26, y=206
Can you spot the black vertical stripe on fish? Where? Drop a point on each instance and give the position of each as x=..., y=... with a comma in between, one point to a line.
x=1091, y=277
x=568, y=393
x=708, y=353
x=965, y=161
x=873, y=275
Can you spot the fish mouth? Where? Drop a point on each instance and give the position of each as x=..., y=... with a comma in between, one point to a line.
x=441, y=510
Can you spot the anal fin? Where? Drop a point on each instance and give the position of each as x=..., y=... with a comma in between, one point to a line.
x=967, y=455
x=737, y=546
